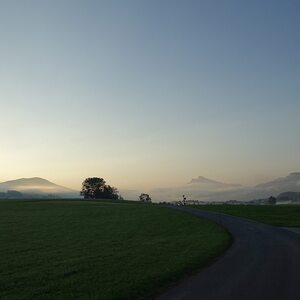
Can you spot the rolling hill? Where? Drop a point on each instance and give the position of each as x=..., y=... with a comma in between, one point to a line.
x=37, y=186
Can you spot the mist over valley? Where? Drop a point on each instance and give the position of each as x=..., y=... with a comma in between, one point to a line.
x=200, y=188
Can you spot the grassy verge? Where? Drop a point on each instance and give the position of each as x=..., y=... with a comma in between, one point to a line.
x=276, y=215
x=99, y=250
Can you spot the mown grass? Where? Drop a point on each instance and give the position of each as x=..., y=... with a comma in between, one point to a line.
x=99, y=250
x=276, y=215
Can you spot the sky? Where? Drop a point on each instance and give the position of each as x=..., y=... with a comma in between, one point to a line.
x=149, y=93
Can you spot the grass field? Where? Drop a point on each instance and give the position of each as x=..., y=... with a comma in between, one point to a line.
x=276, y=215
x=99, y=250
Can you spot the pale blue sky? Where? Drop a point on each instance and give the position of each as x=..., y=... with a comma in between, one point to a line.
x=149, y=93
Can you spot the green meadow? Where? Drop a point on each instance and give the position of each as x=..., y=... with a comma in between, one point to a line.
x=276, y=215
x=99, y=250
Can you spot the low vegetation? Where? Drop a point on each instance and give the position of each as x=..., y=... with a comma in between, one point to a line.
x=99, y=250
x=276, y=215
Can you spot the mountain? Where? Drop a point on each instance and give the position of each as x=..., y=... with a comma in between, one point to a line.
x=288, y=183
x=200, y=188
x=201, y=180
x=204, y=189
x=39, y=186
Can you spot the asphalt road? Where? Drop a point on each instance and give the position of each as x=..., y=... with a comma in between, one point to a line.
x=263, y=263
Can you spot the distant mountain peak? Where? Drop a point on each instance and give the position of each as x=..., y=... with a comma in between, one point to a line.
x=36, y=185
x=210, y=183
x=202, y=179
x=295, y=174
x=30, y=181
x=290, y=183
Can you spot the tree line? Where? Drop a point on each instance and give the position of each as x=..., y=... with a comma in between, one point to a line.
x=96, y=188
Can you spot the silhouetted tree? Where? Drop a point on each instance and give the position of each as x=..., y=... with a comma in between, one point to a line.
x=145, y=198
x=96, y=188
x=110, y=192
x=272, y=200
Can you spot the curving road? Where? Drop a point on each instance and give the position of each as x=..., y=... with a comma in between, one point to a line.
x=263, y=263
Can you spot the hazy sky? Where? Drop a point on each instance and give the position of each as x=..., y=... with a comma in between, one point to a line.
x=149, y=93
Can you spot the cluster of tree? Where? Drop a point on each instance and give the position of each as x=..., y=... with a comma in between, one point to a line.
x=96, y=188
x=272, y=200
x=11, y=195
x=145, y=198
x=289, y=196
